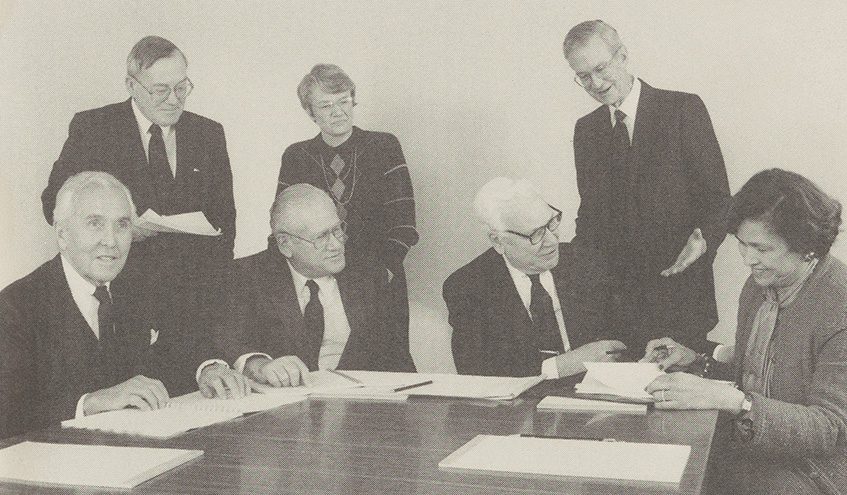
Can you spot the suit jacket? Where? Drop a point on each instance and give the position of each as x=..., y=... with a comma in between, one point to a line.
x=50, y=357
x=680, y=184
x=263, y=315
x=492, y=330
x=107, y=139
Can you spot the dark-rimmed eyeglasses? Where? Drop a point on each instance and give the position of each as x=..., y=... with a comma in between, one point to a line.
x=322, y=240
x=345, y=104
x=584, y=79
x=537, y=235
x=162, y=92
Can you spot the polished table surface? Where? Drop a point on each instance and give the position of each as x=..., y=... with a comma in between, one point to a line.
x=357, y=447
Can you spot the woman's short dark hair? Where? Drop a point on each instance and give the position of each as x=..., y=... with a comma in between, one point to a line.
x=794, y=208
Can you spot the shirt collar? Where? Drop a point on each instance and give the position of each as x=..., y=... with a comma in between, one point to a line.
x=629, y=105
x=300, y=280
x=518, y=276
x=144, y=123
x=77, y=283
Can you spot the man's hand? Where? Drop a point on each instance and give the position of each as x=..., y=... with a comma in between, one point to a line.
x=286, y=371
x=685, y=391
x=694, y=248
x=139, y=392
x=669, y=354
x=140, y=233
x=218, y=380
x=570, y=363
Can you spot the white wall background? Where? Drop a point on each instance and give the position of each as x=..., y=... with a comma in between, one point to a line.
x=471, y=89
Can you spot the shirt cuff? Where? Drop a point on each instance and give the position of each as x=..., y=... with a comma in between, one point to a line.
x=723, y=353
x=550, y=369
x=242, y=360
x=205, y=363
x=80, y=407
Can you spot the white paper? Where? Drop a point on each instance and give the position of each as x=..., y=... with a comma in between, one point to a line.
x=87, y=465
x=663, y=463
x=321, y=381
x=159, y=423
x=194, y=222
x=571, y=404
x=251, y=403
x=626, y=380
x=450, y=385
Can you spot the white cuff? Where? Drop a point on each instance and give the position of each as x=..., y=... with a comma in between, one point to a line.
x=550, y=369
x=205, y=363
x=80, y=407
x=242, y=360
x=723, y=353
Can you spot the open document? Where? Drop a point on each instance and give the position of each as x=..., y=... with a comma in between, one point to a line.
x=87, y=465
x=184, y=223
x=618, y=381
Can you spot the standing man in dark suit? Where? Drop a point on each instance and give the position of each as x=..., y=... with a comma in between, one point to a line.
x=295, y=307
x=653, y=191
x=528, y=305
x=173, y=161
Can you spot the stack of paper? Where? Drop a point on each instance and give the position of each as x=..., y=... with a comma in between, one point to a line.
x=184, y=223
x=87, y=465
x=476, y=387
x=245, y=405
x=160, y=423
x=321, y=381
x=586, y=405
x=661, y=463
x=619, y=381
x=378, y=385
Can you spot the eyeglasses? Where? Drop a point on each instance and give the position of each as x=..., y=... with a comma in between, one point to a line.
x=162, y=92
x=583, y=79
x=322, y=240
x=327, y=106
x=537, y=235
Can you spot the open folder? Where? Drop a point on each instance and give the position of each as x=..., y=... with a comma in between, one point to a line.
x=625, y=382
x=662, y=463
x=87, y=465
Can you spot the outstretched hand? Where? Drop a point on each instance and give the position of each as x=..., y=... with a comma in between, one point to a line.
x=694, y=248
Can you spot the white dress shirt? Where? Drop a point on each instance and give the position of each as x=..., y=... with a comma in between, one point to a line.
x=629, y=106
x=524, y=287
x=168, y=135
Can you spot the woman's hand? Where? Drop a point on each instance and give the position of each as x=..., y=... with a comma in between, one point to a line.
x=686, y=391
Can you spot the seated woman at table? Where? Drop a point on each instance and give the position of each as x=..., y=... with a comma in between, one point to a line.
x=788, y=432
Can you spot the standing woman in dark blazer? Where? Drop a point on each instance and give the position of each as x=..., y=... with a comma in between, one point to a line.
x=787, y=424
x=364, y=172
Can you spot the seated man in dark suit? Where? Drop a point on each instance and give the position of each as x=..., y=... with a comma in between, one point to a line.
x=505, y=322
x=74, y=340
x=294, y=307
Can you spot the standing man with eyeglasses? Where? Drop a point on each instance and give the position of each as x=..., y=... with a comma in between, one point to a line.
x=654, y=193
x=172, y=161
x=529, y=305
x=298, y=306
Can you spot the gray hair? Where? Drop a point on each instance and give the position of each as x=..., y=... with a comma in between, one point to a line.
x=65, y=198
x=331, y=78
x=293, y=205
x=584, y=31
x=497, y=195
x=147, y=51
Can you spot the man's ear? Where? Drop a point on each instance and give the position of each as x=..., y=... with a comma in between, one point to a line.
x=61, y=236
x=283, y=243
x=624, y=54
x=129, y=84
x=495, y=240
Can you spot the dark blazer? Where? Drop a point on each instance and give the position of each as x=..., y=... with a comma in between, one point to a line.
x=491, y=326
x=107, y=139
x=50, y=357
x=681, y=184
x=263, y=315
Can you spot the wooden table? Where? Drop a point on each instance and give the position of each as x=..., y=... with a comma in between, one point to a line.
x=358, y=447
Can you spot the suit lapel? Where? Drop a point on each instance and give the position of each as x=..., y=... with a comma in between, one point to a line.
x=134, y=156
x=188, y=152
x=352, y=298
x=509, y=303
x=280, y=295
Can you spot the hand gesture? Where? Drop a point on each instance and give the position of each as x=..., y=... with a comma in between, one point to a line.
x=218, y=380
x=570, y=363
x=139, y=392
x=668, y=354
x=287, y=371
x=694, y=248
x=685, y=391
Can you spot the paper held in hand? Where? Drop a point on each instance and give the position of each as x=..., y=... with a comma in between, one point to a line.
x=184, y=223
x=618, y=381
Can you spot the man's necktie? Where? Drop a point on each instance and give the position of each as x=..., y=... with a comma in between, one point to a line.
x=158, y=156
x=337, y=187
x=313, y=316
x=620, y=198
x=544, y=323
x=105, y=316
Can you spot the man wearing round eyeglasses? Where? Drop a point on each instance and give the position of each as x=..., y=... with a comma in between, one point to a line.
x=297, y=307
x=173, y=161
x=653, y=191
x=529, y=305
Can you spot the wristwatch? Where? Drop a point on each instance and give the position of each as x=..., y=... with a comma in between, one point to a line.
x=743, y=423
x=746, y=405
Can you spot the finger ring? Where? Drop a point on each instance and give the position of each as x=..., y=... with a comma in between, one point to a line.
x=663, y=395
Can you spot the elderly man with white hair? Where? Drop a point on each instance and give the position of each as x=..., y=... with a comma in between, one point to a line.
x=529, y=305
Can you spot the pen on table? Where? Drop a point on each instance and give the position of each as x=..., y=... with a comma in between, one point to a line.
x=345, y=375
x=595, y=439
x=616, y=351
x=414, y=385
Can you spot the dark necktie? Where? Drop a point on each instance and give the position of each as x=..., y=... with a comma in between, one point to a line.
x=620, y=200
x=313, y=316
x=337, y=186
x=105, y=316
x=544, y=324
x=158, y=156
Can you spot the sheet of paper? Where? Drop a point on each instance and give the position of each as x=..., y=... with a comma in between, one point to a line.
x=571, y=404
x=663, y=463
x=620, y=379
x=321, y=381
x=87, y=465
x=254, y=402
x=470, y=386
x=194, y=222
x=160, y=423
